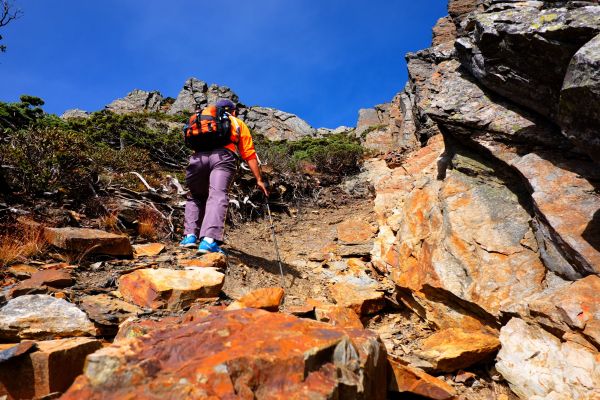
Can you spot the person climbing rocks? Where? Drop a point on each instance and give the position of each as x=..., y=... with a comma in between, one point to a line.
x=211, y=171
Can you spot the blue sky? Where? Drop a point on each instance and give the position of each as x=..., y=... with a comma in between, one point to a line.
x=320, y=59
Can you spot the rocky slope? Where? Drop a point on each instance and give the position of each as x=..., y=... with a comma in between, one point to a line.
x=493, y=225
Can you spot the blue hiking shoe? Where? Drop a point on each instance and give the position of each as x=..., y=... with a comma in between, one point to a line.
x=206, y=247
x=189, y=241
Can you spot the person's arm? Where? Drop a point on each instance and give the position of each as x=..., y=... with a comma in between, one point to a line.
x=248, y=154
x=255, y=168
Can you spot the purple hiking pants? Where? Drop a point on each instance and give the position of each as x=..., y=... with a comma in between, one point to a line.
x=208, y=177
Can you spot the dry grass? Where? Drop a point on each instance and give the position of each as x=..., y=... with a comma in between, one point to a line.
x=150, y=223
x=110, y=222
x=20, y=243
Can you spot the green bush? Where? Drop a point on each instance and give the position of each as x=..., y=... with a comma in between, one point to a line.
x=337, y=154
x=15, y=116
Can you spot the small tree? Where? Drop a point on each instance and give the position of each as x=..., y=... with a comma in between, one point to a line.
x=7, y=14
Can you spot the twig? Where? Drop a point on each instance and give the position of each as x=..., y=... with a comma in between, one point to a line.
x=150, y=188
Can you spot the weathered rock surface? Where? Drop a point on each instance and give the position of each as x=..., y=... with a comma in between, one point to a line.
x=277, y=125
x=338, y=316
x=40, y=280
x=388, y=127
x=171, y=289
x=148, y=249
x=362, y=300
x=75, y=113
x=41, y=316
x=406, y=379
x=214, y=260
x=444, y=31
x=107, y=312
x=248, y=353
x=355, y=231
x=89, y=241
x=579, y=98
x=264, y=298
x=50, y=368
x=538, y=365
x=523, y=52
x=454, y=348
x=196, y=92
x=137, y=101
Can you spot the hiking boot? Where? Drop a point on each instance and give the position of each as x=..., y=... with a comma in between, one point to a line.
x=188, y=241
x=206, y=247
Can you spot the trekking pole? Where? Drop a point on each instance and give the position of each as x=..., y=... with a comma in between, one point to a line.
x=275, y=241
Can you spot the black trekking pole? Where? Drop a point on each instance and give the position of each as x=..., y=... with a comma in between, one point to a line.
x=275, y=241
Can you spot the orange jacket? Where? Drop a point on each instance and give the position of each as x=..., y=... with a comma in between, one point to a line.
x=241, y=139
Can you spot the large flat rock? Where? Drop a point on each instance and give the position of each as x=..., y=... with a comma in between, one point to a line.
x=171, y=289
x=51, y=367
x=41, y=316
x=89, y=241
x=245, y=353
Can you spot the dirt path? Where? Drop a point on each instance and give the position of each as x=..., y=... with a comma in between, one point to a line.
x=252, y=258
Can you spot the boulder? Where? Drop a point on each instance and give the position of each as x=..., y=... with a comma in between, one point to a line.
x=407, y=379
x=41, y=316
x=171, y=289
x=196, y=92
x=51, y=367
x=89, y=241
x=455, y=348
x=137, y=101
x=538, y=365
x=277, y=125
x=247, y=353
x=579, y=98
x=523, y=52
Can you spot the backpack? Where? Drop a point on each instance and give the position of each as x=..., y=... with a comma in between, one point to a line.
x=208, y=129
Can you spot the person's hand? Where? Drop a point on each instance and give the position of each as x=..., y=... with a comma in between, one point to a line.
x=263, y=187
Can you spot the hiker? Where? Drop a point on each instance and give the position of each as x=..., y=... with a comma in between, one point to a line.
x=211, y=171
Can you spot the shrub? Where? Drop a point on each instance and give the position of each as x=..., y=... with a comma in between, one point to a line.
x=337, y=154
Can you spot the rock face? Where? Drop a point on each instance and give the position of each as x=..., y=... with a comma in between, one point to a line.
x=494, y=50
x=41, y=316
x=247, y=353
x=388, y=127
x=136, y=102
x=580, y=94
x=496, y=216
x=199, y=92
x=75, y=113
x=277, y=125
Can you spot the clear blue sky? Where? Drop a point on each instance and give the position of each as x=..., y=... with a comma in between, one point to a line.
x=319, y=59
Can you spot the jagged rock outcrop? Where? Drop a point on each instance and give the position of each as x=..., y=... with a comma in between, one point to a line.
x=277, y=125
x=388, y=127
x=497, y=216
x=199, y=92
x=522, y=50
x=75, y=113
x=136, y=102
